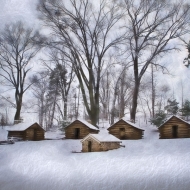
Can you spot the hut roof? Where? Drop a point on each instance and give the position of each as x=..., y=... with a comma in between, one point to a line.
x=21, y=126
x=171, y=118
x=102, y=138
x=128, y=122
x=85, y=123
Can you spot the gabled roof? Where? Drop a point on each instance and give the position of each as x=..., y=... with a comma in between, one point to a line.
x=171, y=118
x=102, y=138
x=128, y=122
x=85, y=123
x=21, y=126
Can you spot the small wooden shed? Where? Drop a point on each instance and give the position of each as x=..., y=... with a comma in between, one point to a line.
x=99, y=142
x=174, y=127
x=79, y=129
x=123, y=129
x=26, y=131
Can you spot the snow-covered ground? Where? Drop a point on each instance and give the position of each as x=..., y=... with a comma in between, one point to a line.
x=147, y=164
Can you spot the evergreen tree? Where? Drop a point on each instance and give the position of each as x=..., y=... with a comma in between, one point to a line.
x=185, y=110
x=172, y=107
x=158, y=119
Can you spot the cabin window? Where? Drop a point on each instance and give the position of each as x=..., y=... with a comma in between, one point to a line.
x=77, y=133
x=174, y=131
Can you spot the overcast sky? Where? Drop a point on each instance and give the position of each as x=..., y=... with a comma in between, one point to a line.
x=25, y=10
x=12, y=10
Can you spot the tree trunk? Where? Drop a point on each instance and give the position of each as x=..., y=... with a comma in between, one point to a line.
x=134, y=102
x=65, y=109
x=135, y=92
x=153, y=91
x=18, y=106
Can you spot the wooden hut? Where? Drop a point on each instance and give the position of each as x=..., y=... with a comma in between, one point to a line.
x=99, y=142
x=174, y=127
x=123, y=129
x=26, y=131
x=79, y=129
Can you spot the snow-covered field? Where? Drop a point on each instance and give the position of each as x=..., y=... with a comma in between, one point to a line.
x=147, y=164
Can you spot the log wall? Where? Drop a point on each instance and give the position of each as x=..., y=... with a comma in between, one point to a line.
x=84, y=130
x=35, y=132
x=129, y=132
x=17, y=134
x=166, y=131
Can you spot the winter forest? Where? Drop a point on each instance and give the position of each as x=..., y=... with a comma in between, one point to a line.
x=96, y=61
x=100, y=61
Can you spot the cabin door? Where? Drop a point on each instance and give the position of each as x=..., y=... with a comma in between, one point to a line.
x=89, y=146
x=35, y=135
x=174, y=131
x=77, y=133
x=122, y=133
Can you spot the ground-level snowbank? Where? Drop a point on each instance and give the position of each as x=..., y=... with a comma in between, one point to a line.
x=148, y=164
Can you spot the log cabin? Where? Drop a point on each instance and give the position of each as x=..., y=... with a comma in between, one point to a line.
x=99, y=143
x=26, y=131
x=78, y=129
x=174, y=127
x=125, y=130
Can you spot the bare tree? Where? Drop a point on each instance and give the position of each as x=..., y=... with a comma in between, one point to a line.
x=121, y=93
x=40, y=90
x=86, y=33
x=105, y=84
x=17, y=47
x=150, y=27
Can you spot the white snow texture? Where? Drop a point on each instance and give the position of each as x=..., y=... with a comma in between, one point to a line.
x=146, y=164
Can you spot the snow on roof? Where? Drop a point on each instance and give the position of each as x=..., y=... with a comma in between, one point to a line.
x=19, y=126
x=87, y=124
x=129, y=122
x=102, y=138
x=171, y=117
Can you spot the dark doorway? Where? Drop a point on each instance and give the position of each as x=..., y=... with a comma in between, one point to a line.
x=35, y=135
x=122, y=133
x=174, y=131
x=77, y=133
x=89, y=146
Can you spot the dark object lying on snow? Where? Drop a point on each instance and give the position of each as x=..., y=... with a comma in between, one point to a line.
x=6, y=142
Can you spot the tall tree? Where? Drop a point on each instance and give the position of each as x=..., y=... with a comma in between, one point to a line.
x=40, y=89
x=64, y=73
x=86, y=33
x=105, y=94
x=150, y=27
x=17, y=47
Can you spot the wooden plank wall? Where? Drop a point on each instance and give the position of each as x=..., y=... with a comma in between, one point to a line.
x=129, y=133
x=84, y=131
x=18, y=134
x=182, y=132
